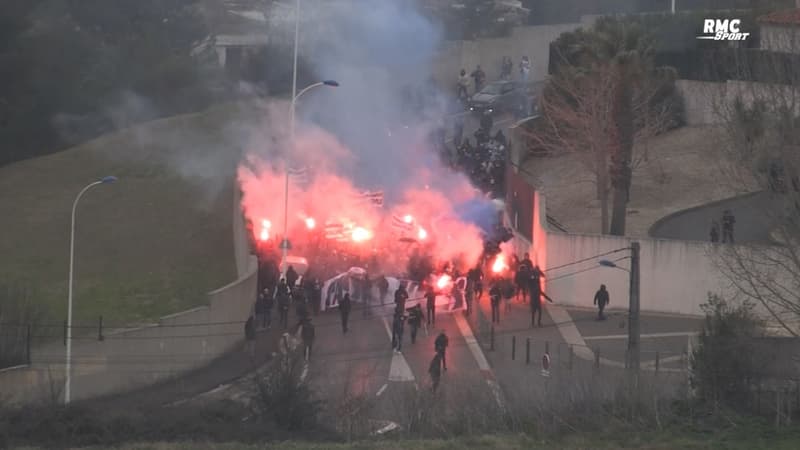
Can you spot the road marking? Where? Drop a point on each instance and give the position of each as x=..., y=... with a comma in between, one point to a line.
x=480, y=358
x=643, y=336
x=569, y=332
x=389, y=427
x=382, y=389
x=399, y=369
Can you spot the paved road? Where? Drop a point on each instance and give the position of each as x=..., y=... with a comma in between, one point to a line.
x=752, y=222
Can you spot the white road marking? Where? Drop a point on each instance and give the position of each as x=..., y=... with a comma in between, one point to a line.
x=399, y=369
x=643, y=336
x=480, y=358
x=382, y=390
x=389, y=427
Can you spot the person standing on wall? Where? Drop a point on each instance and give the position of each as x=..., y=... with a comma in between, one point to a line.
x=601, y=299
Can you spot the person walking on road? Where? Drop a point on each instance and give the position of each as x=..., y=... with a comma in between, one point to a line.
x=430, y=306
x=260, y=305
x=250, y=336
x=508, y=293
x=383, y=288
x=714, y=234
x=307, y=333
x=291, y=277
x=536, y=294
x=494, y=298
x=268, y=304
x=728, y=221
x=415, y=318
x=344, y=310
x=397, y=331
x=435, y=370
x=601, y=299
x=440, y=347
x=282, y=296
x=400, y=297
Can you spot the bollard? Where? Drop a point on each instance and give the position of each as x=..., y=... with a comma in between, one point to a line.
x=547, y=347
x=597, y=358
x=513, y=347
x=658, y=359
x=571, y=356
x=491, y=339
x=527, y=350
x=65, y=333
x=100, y=329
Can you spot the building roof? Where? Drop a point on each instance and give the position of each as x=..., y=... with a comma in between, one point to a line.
x=785, y=17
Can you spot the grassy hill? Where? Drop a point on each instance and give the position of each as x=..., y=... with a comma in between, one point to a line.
x=153, y=243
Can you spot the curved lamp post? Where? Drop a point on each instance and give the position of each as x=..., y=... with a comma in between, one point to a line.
x=68, y=381
x=633, y=304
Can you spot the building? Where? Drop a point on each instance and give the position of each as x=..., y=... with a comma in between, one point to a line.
x=780, y=30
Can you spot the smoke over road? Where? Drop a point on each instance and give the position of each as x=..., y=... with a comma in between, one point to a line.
x=361, y=135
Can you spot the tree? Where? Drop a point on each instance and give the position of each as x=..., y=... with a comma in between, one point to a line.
x=761, y=128
x=604, y=96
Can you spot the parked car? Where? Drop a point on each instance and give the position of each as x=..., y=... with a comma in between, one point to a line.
x=499, y=96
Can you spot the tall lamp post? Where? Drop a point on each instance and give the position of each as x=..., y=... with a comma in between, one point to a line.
x=68, y=381
x=634, y=335
x=285, y=245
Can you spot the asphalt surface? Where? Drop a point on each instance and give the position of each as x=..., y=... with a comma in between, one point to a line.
x=753, y=223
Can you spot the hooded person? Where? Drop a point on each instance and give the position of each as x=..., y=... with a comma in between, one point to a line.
x=291, y=277
x=344, y=311
x=601, y=299
x=415, y=318
x=440, y=346
x=398, y=326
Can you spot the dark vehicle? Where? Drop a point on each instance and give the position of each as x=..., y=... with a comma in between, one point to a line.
x=500, y=96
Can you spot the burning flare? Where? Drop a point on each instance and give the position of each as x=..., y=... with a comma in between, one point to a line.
x=499, y=264
x=361, y=234
x=310, y=223
x=265, y=226
x=422, y=234
x=407, y=218
x=443, y=281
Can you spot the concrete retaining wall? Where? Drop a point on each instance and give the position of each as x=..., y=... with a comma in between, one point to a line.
x=132, y=358
x=708, y=102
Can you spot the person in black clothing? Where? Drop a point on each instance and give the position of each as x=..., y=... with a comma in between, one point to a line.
x=536, y=294
x=268, y=303
x=415, y=318
x=400, y=297
x=440, y=346
x=475, y=275
x=307, y=333
x=397, y=330
x=601, y=299
x=494, y=297
x=714, y=234
x=383, y=288
x=344, y=310
x=291, y=277
x=728, y=220
x=526, y=261
x=260, y=304
x=250, y=336
x=301, y=309
x=479, y=78
x=282, y=296
x=430, y=306
x=316, y=296
x=435, y=370
x=521, y=280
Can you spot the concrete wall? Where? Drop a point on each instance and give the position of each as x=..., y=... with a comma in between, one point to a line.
x=708, y=102
x=132, y=358
x=531, y=41
x=676, y=276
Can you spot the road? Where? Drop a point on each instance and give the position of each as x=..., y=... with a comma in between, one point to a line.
x=753, y=224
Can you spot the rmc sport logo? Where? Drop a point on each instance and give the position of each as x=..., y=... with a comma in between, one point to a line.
x=723, y=30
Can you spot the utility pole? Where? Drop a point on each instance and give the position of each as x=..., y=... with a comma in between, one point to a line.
x=634, y=332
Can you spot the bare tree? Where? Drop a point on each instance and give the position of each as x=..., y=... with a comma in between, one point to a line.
x=761, y=119
x=578, y=117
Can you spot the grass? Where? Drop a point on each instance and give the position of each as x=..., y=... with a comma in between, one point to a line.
x=747, y=439
x=153, y=243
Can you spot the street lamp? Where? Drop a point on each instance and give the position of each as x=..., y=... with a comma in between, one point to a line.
x=634, y=356
x=295, y=95
x=68, y=381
